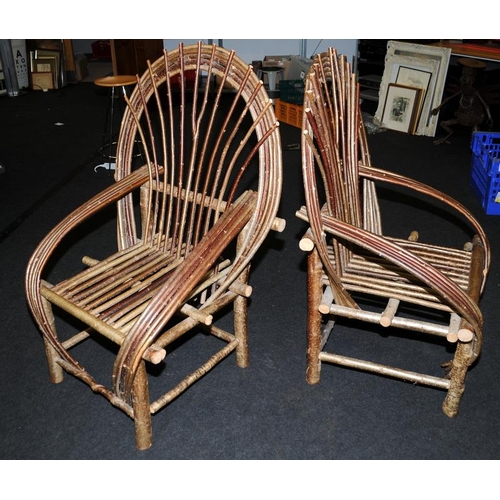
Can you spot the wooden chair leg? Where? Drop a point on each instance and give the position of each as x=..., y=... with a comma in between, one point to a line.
x=241, y=327
x=142, y=412
x=240, y=311
x=314, y=317
x=458, y=373
x=56, y=373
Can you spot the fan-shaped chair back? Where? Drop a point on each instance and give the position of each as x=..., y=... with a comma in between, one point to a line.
x=351, y=261
x=190, y=219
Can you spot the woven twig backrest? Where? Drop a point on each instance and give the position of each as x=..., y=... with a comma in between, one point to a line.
x=209, y=131
x=331, y=132
x=333, y=143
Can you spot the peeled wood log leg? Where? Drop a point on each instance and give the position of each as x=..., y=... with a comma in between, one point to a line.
x=314, y=295
x=241, y=326
x=459, y=368
x=142, y=413
x=56, y=373
x=240, y=311
x=467, y=348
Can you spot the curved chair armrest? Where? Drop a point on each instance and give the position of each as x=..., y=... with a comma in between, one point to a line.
x=435, y=279
x=377, y=174
x=177, y=289
x=46, y=247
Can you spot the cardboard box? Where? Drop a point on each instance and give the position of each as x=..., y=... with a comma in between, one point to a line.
x=275, y=61
x=297, y=68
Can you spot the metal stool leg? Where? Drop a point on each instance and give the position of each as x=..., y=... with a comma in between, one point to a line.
x=271, y=78
x=107, y=150
x=112, y=118
x=107, y=135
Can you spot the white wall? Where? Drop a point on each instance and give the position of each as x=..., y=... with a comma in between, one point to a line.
x=256, y=49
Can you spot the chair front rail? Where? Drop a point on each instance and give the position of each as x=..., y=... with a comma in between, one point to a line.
x=369, y=366
x=413, y=324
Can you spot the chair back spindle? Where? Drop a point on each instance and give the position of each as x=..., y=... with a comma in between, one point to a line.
x=199, y=149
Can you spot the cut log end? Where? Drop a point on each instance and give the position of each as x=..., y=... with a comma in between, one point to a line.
x=465, y=335
x=306, y=244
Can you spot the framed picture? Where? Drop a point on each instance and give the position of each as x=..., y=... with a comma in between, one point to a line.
x=42, y=81
x=416, y=77
x=400, y=107
x=51, y=57
x=407, y=70
x=421, y=62
x=44, y=65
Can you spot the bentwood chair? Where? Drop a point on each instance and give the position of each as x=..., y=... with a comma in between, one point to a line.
x=189, y=222
x=358, y=274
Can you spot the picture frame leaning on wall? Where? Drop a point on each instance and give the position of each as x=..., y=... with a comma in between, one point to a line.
x=426, y=64
x=401, y=107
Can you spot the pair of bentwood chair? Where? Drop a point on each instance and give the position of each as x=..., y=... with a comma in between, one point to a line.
x=190, y=220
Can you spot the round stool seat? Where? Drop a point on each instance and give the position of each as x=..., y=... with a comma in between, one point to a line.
x=112, y=125
x=471, y=63
x=115, y=81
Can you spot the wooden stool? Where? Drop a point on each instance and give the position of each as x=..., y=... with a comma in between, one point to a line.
x=108, y=141
x=273, y=73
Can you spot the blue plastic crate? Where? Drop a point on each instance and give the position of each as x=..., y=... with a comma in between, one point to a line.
x=486, y=186
x=486, y=147
x=485, y=170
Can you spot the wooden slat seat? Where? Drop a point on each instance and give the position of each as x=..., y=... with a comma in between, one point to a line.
x=125, y=282
x=370, y=274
